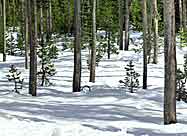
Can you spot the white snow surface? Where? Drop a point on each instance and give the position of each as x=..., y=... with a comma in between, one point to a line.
x=108, y=110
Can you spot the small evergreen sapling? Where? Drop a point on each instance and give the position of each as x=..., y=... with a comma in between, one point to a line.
x=131, y=79
x=47, y=52
x=15, y=76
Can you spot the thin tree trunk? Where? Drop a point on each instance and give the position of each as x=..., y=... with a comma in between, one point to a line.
x=69, y=16
x=145, y=34
x=170, y=63
x=109, y=45
x=184, y=14
x=149, y=40
x=4, y=30
x=77, y=48
x=26, y=35
x=155, y=31
x=93, y=46
x=127, y=4
x=121, y=22
x=33, y=46
x=181, y=13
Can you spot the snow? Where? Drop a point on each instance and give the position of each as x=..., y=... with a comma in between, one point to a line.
x=107, y=110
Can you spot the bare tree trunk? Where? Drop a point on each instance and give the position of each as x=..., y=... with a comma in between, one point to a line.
x=127, y=4
x=145, y=34
x=149, y=40
x=33, y=47
x=69, y=18
x=4, y=30
x=77, y=48
x=170, y=63
x=181, y=13
x=155, y=31
x=121, y=22
x=184, y=14
x=109, y=45
x=26, y=35
x=93, y=46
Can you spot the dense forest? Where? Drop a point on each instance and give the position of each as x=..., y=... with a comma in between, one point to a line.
x=69, y=55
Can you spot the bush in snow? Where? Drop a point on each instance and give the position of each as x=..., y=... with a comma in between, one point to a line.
x=181, y=93
x=131, y=79
x=181, y=78
x=15, y=76
x=183, y=37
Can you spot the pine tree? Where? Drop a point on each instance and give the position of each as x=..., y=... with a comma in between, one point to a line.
x=15, y=76
x=131, y=79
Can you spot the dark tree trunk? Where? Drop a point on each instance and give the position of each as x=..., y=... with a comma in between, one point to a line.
x=33, y=47
x=26, y=35
x=93, y=46
x=127, y=5
x=77, y=48
x=170, y=63
x=109, y=45
x=145, y=34
x=4, y=30
x=121, y=22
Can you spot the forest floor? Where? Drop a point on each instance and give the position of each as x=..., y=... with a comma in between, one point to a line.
x=108, y=110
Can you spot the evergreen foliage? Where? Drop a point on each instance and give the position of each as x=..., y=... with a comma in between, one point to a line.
x=15, y=76
x=131, y=79
x=47, y=53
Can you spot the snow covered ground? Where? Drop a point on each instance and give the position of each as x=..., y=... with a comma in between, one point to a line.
x=108, y=110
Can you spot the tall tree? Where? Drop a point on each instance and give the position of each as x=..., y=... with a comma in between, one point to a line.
x=145, y=34
x=127, y=12
x=26, y=35
x=155, y=32
x=121, y=22
x=93, y=44
x=77, y=48
x=184, y=13
x=4, y=29
x=170, y=63
x=33, y=46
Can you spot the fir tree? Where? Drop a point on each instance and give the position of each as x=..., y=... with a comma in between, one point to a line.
x=15, y=76
x=47, y=53
x=131, y=79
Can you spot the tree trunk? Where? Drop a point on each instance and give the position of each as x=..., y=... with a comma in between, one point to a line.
x=127, y=4
x=93, y=46
x=184, y=14
x=170, y=63
x=155, y=31
x=69, y=17
x=77, y=48
x=149, y=40
x=181, y=13
x=49, y=20
x=145, y=34
x=4, y=30
x=121, y=22
x=26, y=35
x=33, y=46
x=109, y=45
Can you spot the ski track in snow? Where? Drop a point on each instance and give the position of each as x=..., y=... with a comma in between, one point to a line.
x=108, y=110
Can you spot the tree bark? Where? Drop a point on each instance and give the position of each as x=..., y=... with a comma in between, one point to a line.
x=93, y=46
x=26, y=35
x=4, y=30
x=155, y=31
x=184, y=14
x=170, y=63
x=145, y=34
x=33, y=47
x=127, y=4
x=77, y=48
x=121, y=22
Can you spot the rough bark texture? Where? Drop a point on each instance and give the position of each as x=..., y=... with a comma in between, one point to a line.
x=155, y=32
x=127, y=4
x=26, y=35
x=145, y=34
x=33, y=46
x=121, y=22
x=93, y=46
x=170, y=63
x=184, y=13
x=77, y=48
x=4, y=30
